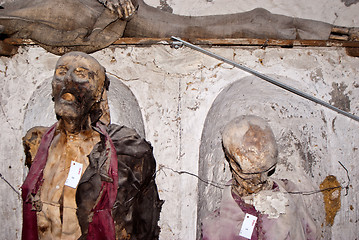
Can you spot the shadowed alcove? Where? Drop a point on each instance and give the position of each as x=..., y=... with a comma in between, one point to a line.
x=301, y=130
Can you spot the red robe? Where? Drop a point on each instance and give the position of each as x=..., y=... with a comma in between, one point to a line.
x=118, y=181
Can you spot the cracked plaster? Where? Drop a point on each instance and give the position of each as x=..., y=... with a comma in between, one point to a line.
x=176, y=91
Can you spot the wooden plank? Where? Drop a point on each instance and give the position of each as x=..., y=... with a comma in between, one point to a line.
x=142, y=41
x=275, y=42
x=219, y=42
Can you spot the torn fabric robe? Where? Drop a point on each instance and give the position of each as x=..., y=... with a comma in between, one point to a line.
x=116, y=197
x=294, y=223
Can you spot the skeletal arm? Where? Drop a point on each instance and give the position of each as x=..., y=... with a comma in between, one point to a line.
x=124, y=8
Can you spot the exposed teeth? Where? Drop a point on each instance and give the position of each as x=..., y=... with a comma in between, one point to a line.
x=68, y=97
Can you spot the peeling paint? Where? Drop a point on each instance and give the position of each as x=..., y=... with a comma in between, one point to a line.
x=307, y=156
x=164, y=6
x=316, y=75
x=331, y=194
x=339, y=98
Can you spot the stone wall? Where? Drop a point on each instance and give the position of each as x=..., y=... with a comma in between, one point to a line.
x=180, y=99
x=184, y=97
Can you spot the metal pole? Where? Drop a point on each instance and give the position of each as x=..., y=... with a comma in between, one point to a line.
x=268, y=79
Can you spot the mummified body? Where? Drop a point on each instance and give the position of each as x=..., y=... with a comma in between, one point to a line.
x=57, y=26
x=115, y=195
x=251, y=151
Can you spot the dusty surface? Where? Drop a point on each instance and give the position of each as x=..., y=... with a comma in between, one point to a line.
x=184, y=99
x=340, y=98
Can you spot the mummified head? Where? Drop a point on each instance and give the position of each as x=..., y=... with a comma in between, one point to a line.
x=250, y=148
x=78, y=85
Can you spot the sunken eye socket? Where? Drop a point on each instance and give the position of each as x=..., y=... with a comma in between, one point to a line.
x=81, y=72
x=61, y=71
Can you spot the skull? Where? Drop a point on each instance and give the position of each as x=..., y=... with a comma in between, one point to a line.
x=251, y=150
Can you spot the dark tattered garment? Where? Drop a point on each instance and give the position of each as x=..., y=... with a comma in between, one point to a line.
x=113, y=200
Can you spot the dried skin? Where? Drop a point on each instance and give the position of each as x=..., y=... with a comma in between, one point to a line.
x=31, y=142
x=124, y=8
x=59, y=211
x=255, y=144
x=79, y=94
x=250, y=142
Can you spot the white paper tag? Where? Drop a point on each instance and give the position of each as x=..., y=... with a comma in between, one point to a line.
x=248, y=225
x=74, y=174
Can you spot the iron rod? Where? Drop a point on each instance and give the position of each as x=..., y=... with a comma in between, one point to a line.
x=268, y=79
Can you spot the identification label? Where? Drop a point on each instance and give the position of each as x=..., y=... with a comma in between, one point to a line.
x=248, y=225
x=74, y=174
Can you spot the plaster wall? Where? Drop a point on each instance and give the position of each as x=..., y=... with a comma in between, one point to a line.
x=175, y=90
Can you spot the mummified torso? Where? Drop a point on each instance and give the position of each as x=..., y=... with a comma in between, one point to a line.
x=57, y=218
x=60, y=210
x=114, y=195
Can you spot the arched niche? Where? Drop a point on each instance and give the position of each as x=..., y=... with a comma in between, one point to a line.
x=301, y=128
x=124, y=108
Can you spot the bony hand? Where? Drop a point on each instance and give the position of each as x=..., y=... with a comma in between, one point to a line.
x=124, y=8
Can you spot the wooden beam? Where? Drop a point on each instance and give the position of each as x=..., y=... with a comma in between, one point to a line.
x=241, y=42
x=274, y=42
x=218, y=42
